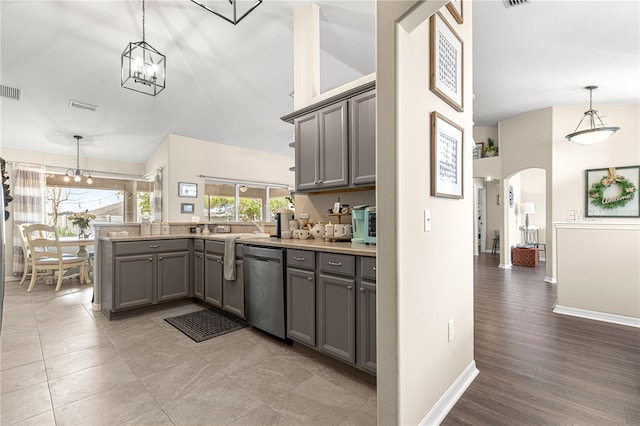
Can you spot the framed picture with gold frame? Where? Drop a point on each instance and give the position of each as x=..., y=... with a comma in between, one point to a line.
x=446, y=157
x=455, y=7
x=446, y=62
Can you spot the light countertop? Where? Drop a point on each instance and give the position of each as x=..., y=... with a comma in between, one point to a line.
x=308, y=244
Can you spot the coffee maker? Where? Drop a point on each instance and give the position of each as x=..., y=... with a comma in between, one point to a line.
x=283, y=216
x=358, y=224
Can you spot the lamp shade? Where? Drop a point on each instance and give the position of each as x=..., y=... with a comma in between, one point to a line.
x=528, y=208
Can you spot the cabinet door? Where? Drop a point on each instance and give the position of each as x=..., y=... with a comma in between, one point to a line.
x=233, y=292
x=337, y=317
x=367, y=327
x=362, y=138
x=307, y=161
x=173, y=275
x=301, y=306
x=133, y=281
x=198, y=276
x=334, y=146
x=213, y=280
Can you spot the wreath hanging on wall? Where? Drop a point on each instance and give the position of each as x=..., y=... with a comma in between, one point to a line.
x=626, y=187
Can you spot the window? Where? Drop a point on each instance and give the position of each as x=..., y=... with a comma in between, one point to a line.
x=109, y=199
x=243, y=202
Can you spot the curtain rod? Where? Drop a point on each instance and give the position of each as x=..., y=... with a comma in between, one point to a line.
x=241, y=182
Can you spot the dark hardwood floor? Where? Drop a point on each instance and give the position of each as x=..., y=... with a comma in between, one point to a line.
x=541, y=368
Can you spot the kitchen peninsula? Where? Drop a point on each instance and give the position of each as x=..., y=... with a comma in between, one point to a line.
x=330, y=286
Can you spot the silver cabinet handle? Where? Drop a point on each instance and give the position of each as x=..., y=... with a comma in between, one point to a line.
x=154, y=246
x=151, y=259
x=362, y=289
x=375, y=269
x=335, y=263
x=309, y=279
x=349, y=287
x=299, y=259
x=219, y=261
x=160, y=258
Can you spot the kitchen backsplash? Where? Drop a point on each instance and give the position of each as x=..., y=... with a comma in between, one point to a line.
x=318, y=204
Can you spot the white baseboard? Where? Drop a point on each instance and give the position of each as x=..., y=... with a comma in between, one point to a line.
x=598, y=316
x=550, y=280
x=505, y=265
x=451, y=396
x=11, y=278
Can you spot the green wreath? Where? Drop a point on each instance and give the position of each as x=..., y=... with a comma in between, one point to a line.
x=627, y=191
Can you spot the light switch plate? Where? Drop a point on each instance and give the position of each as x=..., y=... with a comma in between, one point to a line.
x=427, y=220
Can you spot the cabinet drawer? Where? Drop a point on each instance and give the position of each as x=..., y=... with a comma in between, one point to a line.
x=217, y=247
x=301, y=259
x=150, y=246
x=368, y=268
x=342, y=264
x=198, y=245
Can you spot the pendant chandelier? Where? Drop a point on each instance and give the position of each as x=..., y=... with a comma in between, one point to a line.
x=232, y=15
x=78, y=174
x=593, y=134
x=143, y=68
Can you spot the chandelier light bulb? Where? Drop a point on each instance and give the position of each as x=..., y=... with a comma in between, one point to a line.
x=77, y=179
x=89, y=180
x=66, y=178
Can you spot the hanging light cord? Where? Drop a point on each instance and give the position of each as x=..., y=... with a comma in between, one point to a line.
x=78, y=153
x=591, y=113
x=143, y=38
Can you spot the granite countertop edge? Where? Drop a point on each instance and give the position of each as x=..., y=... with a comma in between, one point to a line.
x=309, y=244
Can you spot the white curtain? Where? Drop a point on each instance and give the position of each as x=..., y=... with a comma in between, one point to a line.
x=157, y=196
x=29, y=203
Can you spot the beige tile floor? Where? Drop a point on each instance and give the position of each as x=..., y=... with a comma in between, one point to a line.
x=63, y=364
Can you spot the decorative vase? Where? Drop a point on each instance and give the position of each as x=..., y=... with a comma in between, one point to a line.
x=84, y=234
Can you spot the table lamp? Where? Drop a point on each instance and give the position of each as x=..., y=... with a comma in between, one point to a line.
x=527, y=208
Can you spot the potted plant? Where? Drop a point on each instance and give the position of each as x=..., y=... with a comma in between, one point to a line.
x=491, y=149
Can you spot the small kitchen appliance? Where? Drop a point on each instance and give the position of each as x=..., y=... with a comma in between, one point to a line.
x=370, y=224
x=358, y=224
x=283, y=216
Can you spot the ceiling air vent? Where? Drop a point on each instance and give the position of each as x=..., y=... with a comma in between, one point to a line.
x=82, y=105
x=10, y=92
x=513, y=3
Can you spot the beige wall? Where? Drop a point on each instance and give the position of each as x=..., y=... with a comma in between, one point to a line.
x=187, y=158
x=425, y=278
x=598, y=267
x=533, y=190
x=318, y=204
x=480, y=134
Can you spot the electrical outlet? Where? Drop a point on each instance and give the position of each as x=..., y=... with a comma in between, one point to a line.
x=427, y=220
x=450, y=324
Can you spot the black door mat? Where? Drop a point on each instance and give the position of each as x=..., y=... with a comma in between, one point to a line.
x=205, y=324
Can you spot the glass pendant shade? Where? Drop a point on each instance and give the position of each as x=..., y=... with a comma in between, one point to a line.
x=143, y=68
x=232, y=11
x=593, y=134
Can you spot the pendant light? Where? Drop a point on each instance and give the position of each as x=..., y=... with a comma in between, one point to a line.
x=235, y=15
x=143, y=68
x=593, y=134
x=78, y=174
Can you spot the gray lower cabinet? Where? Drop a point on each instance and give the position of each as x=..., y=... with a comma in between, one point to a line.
x=367, y=326
x=233, y=293
x=213, y=279
x=301, y=306
x=141, y=273
x=337, y=317
x=219, y=292
x=133, y=281
x=362, y=138
x=198, y=275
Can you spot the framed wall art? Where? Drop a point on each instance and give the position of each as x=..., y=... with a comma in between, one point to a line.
x=186, y=189
x=446, y=62
x=446, y=157
x=187, y=208
x=612, y=192
x=455, y=7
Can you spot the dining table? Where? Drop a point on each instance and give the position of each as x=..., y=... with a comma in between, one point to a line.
x=81, y=243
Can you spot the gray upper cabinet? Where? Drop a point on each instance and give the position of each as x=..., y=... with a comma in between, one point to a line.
x=322, y=150
x=334, y=146
x=307, y=152
x=362, y=138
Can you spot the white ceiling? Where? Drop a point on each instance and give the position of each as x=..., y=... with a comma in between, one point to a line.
x=230, y=84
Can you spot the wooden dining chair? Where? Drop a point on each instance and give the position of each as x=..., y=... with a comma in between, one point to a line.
x=25, y=251
x=46, y=254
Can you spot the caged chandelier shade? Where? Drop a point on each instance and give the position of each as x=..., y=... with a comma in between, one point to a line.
x=597, y=131
x=232, y=11
x=143, y=68
x=78, y=174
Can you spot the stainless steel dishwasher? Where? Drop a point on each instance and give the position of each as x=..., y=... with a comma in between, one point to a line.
x=265, y=289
